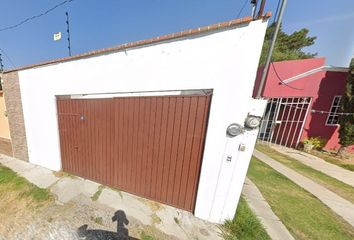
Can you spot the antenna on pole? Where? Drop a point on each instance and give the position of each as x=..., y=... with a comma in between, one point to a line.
x=68, y=31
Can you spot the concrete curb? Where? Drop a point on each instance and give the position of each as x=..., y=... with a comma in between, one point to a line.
x=319, y=164
x=272, y=224
x=338, y=204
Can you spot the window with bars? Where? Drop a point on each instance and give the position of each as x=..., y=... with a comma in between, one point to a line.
x=333, y=116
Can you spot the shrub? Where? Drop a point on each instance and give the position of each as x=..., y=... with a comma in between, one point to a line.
x=317, y=142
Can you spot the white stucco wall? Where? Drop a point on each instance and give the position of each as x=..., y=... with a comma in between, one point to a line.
x=224, y=61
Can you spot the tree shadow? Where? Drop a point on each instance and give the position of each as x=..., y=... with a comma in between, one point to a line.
x=97, y=234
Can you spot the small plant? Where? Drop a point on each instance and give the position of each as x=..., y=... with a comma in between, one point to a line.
x=145, y=236
x=156, y=219
x=98, y=193
x=314, y=143
x=97, y=220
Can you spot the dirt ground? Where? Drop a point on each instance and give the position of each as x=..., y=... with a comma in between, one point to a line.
x=27, y=220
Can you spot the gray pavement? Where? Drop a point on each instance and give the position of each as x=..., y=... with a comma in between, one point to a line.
x=319, y=164
x=274, y=227
x=339, y=205
x=171, y=221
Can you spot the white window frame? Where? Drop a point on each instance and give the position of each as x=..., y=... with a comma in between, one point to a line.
x=335, y=113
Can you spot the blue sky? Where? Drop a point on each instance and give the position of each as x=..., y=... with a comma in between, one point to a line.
x=97, y=24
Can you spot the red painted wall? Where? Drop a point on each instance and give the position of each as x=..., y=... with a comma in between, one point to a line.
x=321, y=87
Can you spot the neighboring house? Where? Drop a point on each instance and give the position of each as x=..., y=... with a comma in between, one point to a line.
x=148, y=117
x=303, y=101
x=5, y=140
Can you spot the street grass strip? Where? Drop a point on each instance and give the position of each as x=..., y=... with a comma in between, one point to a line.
x=10, y=182
x=342, y=189
x=302, y=213
x=245, y=225
x=331, y=159
x=19, y=198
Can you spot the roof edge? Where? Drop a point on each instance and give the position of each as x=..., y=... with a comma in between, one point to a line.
x=172, y=36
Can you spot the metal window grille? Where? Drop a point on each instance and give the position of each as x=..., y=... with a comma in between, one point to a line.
x=333, y=116
x=283, y=120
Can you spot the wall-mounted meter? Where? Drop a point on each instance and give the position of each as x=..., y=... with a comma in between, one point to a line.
x=234, y=129
x=252, y=122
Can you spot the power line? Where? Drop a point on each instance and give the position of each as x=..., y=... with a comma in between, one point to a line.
x=276, y=12
x=281, y=80
x=322, y=111
x=34, y=17
x=272, y=63
x=7, y=57
x=278, y=18
x=241, y=10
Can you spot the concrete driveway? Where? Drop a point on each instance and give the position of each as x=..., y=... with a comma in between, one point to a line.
x=90, y=207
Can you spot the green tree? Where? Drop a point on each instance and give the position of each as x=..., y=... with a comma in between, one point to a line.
x=287, y=46
x=346, y=122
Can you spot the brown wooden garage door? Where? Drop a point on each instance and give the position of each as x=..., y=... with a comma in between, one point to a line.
x=149, y=146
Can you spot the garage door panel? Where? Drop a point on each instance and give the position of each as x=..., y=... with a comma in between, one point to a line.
x=176, y=133
x=162, y=149
x=148, y=146
x=187, y=153
x=182, y=134
x=149, y=143
x=197, y=150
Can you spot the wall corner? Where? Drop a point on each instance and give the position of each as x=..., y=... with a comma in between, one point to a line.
x=12, y=93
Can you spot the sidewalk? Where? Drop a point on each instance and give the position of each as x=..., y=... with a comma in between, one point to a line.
x=274, y=227
x=338, y=204
x=178, y=224
x=319, y=164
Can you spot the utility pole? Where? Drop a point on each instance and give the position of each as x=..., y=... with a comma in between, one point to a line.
x=271, y=47
x=254, y=6
x=1, y=71
x=1, y=64
x=68, y=31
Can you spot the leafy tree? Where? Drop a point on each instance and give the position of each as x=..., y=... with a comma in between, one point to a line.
x=346, y=122
x=287, y=46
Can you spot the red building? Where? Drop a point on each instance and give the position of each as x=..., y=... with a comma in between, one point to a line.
x=303, y=101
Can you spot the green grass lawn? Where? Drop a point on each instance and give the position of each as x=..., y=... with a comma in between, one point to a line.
x=344, y=190
x=19, y=199
x=303, y=214
x=244, y=226
x=11, y=183
x=331, y=159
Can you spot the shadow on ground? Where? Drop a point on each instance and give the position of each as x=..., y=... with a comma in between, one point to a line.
x=97, y=234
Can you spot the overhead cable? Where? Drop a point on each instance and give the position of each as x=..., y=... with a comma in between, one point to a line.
x=7, y=57
x=241, y=10
x=34, y=17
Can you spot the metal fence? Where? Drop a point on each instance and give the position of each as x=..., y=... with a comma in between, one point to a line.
x=283, y=120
